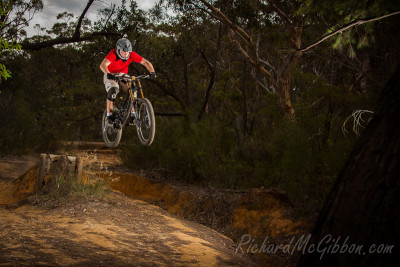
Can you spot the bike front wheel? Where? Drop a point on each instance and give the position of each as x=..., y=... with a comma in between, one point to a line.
x=111, y=135
x=146, y=122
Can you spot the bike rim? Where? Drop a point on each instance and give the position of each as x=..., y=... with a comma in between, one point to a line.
x=111, y=133
x=144, y=122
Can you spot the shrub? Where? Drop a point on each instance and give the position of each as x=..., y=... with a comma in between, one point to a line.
x=63, y=189
x=300, y=157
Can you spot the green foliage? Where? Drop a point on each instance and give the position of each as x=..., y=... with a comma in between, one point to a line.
x=242, y=139
x=298, y=158
x=4, y=72
x=15, y=16
x=183, y=144
x=5, y=44
x=44, y=106
x=340, y=13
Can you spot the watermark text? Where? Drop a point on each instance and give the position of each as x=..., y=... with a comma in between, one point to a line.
x=327, y=245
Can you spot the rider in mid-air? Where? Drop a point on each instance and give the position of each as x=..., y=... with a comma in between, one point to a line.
x=116, y=62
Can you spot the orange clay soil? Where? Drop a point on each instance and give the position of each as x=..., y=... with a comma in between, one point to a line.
x=121, y=231
x=115, y=230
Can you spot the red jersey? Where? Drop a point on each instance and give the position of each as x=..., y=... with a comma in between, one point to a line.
x=117, y=65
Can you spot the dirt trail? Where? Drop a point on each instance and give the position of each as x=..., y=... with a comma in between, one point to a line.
x=11, y=168
x=116, y=230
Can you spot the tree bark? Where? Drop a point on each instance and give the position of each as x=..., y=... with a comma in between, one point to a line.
x=363, y=205
x=283, y=82
x=284, y=97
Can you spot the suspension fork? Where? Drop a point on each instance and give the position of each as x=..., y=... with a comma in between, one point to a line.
x=132, y=100
x=140, y=87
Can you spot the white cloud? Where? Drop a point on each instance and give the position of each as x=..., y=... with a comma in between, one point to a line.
x=52, y=8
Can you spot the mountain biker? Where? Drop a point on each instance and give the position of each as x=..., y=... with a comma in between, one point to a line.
x=115, y=63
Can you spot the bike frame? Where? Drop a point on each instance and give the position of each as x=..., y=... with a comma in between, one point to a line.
x=138, y=87
x=133, y=84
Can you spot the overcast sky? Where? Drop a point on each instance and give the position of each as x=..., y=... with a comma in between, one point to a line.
x=52, y=8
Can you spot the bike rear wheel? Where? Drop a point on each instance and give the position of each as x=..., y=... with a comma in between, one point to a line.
x=146, y=122
x=111, y=135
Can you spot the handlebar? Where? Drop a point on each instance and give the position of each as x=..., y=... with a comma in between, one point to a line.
x=130, y=78
x=143, y=77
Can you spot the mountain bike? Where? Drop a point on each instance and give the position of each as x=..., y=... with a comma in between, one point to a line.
x=130, y=110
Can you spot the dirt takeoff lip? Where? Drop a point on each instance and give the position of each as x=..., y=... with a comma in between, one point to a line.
x=116, y=230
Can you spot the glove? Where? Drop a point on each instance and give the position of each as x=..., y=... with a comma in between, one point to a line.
x=152, y=75
x=111, y=76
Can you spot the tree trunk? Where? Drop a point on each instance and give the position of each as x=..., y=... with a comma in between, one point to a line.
x=288, y=70
x=284, y=97
x=363, y=207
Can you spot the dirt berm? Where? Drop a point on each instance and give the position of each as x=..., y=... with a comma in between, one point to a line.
x=125, y=230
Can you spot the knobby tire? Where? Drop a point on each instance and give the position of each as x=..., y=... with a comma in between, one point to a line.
x=111, y=136
x=146, y=123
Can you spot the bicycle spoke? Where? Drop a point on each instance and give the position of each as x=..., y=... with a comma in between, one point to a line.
x=146, y=123
x=111, y=134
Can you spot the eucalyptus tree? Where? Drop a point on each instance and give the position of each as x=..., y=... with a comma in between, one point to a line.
x=14, y=17
x=289, y=29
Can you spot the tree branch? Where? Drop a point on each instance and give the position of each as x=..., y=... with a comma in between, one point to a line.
x=66, y=40
x=171, y=92
x=217, y=14
x=169, y=114
x=281, y=14
x=111, y=13
x=253, y=62
x=76, y=37
x=208, y=93
x=346, y=27
x=77, y=32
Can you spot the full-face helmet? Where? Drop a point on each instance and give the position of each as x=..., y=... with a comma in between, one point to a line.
x=124, y=45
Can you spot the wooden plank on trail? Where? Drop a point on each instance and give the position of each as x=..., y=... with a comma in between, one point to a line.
x=57, y=165
x=42, y=172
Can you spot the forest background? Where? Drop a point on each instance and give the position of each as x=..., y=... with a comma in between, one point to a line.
x=242, y=96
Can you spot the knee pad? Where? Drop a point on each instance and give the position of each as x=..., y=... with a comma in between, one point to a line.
x=112, y=94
